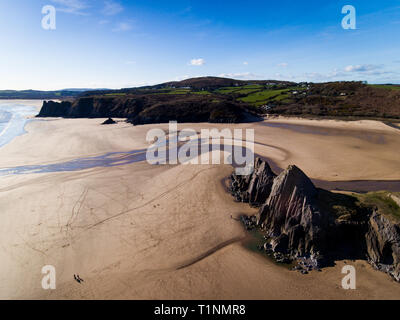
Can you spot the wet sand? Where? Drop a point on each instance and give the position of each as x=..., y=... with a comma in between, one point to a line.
x=136, y=231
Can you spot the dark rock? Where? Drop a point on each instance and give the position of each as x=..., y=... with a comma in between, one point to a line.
x=249, y=222
x=267, y=246
x=109, y=121
x=292, y=214
x=55, y=109
x=253, y=188
x=280, y=244
x=383, y=245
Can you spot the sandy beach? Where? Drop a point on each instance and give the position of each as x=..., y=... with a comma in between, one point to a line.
x=137, y=231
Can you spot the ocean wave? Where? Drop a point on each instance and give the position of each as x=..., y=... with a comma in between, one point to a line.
x=13, y=118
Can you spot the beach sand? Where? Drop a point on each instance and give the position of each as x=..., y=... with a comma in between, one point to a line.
x=138, y=231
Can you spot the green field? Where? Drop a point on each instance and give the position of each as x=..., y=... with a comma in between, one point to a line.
x=386, y=86
x=264, y=96
x=179, y=91
x=240, y=90
x=115, y=94
x=254, y=94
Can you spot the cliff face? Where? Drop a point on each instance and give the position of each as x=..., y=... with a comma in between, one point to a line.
x=91, y=107
x=383, y=245
x=313, y=226
x=55, y=109
x=150, y=108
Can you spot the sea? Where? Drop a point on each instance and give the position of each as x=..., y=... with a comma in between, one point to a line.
x=13, y=118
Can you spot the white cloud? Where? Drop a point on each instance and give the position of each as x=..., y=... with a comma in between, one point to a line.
x=329, y=76
x=71, y=6
x=283, y=64
x=244, y=75
x=122, y=26
x=361, y=68
x=245, y=63
x=112, y=8
x=197, y=62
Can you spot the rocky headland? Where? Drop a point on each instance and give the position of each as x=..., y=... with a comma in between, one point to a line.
x=152, y=108
x=312, y=227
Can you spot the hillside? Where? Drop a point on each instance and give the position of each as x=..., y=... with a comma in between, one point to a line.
x=216, y=99
x=343, y=99
x=35, y=94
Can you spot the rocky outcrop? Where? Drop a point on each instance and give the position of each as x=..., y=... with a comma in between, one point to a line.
x=92, y=107
x=254, y=188
x=312, y=226
x=383, y=245
x=109, y=121
x=292, y=217
x=55, y=109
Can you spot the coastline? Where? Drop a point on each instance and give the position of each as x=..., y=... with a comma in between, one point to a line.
x=19, y=114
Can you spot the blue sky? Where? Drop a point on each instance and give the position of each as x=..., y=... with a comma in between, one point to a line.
x=116, y=44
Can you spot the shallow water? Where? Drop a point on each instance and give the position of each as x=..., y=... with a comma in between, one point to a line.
x=13, y=118
x=360, y=186
x=111, y=159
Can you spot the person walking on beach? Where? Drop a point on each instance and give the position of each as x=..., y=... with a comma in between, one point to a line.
x=77, y=279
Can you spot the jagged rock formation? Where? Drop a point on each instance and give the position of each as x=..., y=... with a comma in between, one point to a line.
x=254, y=188
x=313, y=226
x=295, y=223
